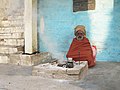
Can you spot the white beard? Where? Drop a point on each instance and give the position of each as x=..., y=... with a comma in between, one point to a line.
x=79, y=37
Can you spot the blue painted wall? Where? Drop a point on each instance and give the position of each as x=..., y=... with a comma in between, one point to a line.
x=56, y=22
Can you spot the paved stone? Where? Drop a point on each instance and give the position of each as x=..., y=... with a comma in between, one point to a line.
x=104, y=76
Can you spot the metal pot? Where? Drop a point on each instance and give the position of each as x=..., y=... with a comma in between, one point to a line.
x=69, y=64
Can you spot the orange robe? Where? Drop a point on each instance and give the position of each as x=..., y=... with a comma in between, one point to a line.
x=81, y=51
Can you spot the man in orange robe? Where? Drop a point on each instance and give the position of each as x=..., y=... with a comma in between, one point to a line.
x=80, y=48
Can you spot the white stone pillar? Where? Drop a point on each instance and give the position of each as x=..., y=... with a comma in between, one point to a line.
x=30, y=20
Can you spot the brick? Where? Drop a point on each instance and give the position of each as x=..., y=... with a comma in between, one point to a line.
x=5, y=23
x=12, y=42
x=16, y=18
x=9, y=49
x=20, y=42
x=12, y=23
x=5, y=30
x=11, y=29
x=12, y=35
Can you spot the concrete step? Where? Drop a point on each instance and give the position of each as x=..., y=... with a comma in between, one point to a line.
x=26, y=60
x=29, y=60
x=12, y=35
x=12, y=42
x=11, y=49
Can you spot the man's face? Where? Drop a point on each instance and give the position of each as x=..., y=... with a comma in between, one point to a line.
x=79, y=35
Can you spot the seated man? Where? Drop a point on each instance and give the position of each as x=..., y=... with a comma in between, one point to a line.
x=80, y=48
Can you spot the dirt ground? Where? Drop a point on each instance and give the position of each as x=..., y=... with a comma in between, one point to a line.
x=104, y=76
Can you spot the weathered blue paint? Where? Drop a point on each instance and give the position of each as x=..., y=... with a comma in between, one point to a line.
x=112, y=43
x=102, y=25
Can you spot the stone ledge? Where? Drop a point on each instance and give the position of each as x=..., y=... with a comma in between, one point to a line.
x=29, y=60
x=53, y=71
x=26, y=60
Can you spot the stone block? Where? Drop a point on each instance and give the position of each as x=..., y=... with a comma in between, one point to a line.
x=4, y=35
x=5, y=23
x=8, y=41
x=16, y=18
x=25, y=60
x=83, y=72
x=77, y=68
x=4, y=59
x=20, y=42
x=53, y=71
x=15, y=59
x=74, y=71
x=17, y=29
x=12, y=42
x=4, y=30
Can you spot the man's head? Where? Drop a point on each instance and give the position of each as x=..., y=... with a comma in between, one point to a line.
x=80, y=32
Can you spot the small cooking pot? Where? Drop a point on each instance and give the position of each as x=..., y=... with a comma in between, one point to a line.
x=69, y=64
